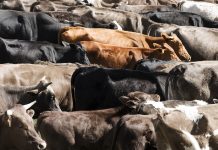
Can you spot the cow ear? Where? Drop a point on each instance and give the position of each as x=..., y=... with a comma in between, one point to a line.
x=168, y=47
x=30, y=112
x=156, y=45
x=65, y=44
x=131, y=104
x=166, y=36
x=124, y=99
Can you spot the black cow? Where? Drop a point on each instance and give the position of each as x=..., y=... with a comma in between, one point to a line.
x=181, y=18
x=29, y=26
x=19, y=51
x=95, y=88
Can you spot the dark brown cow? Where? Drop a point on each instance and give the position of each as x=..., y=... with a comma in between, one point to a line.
x=122, y=38
x=82, y=129
x=17, y=130
x=124, y=57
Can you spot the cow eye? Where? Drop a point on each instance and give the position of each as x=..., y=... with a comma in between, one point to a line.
x=20, y=125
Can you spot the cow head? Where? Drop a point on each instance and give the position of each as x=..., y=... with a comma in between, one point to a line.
x=46, y=100
x=42, y=6
x=18, y=129
x=164, y=53
x=176, y=44
x=45, y=97
x=134, y=100
x=183, y=83
x=78, y=54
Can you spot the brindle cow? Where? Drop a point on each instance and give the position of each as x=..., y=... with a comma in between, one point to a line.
x=17, y=130
x=122, y=38
x=124, y=57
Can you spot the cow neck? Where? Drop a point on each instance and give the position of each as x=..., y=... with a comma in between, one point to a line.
x=5, y=139
x=31, y=18
x=161, y=86
x=19, y=91
x=116, y=113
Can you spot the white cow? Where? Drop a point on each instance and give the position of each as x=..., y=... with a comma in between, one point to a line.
x=204, y=9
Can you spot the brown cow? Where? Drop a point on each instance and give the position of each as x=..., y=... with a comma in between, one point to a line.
x=188, y=127
x=125, y=57
x=135, y=132
x=82, y=129
x=17, y=130
x=122, y=38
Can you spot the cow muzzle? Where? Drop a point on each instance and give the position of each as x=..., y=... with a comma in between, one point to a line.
x=41, y=146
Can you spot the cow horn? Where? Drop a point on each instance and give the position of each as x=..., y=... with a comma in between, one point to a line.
x=9, y=112
x=166, y=36
x=49, y=88
x=27, y=106
x=117, y=24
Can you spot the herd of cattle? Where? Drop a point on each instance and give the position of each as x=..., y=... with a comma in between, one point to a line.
x=108, y=75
